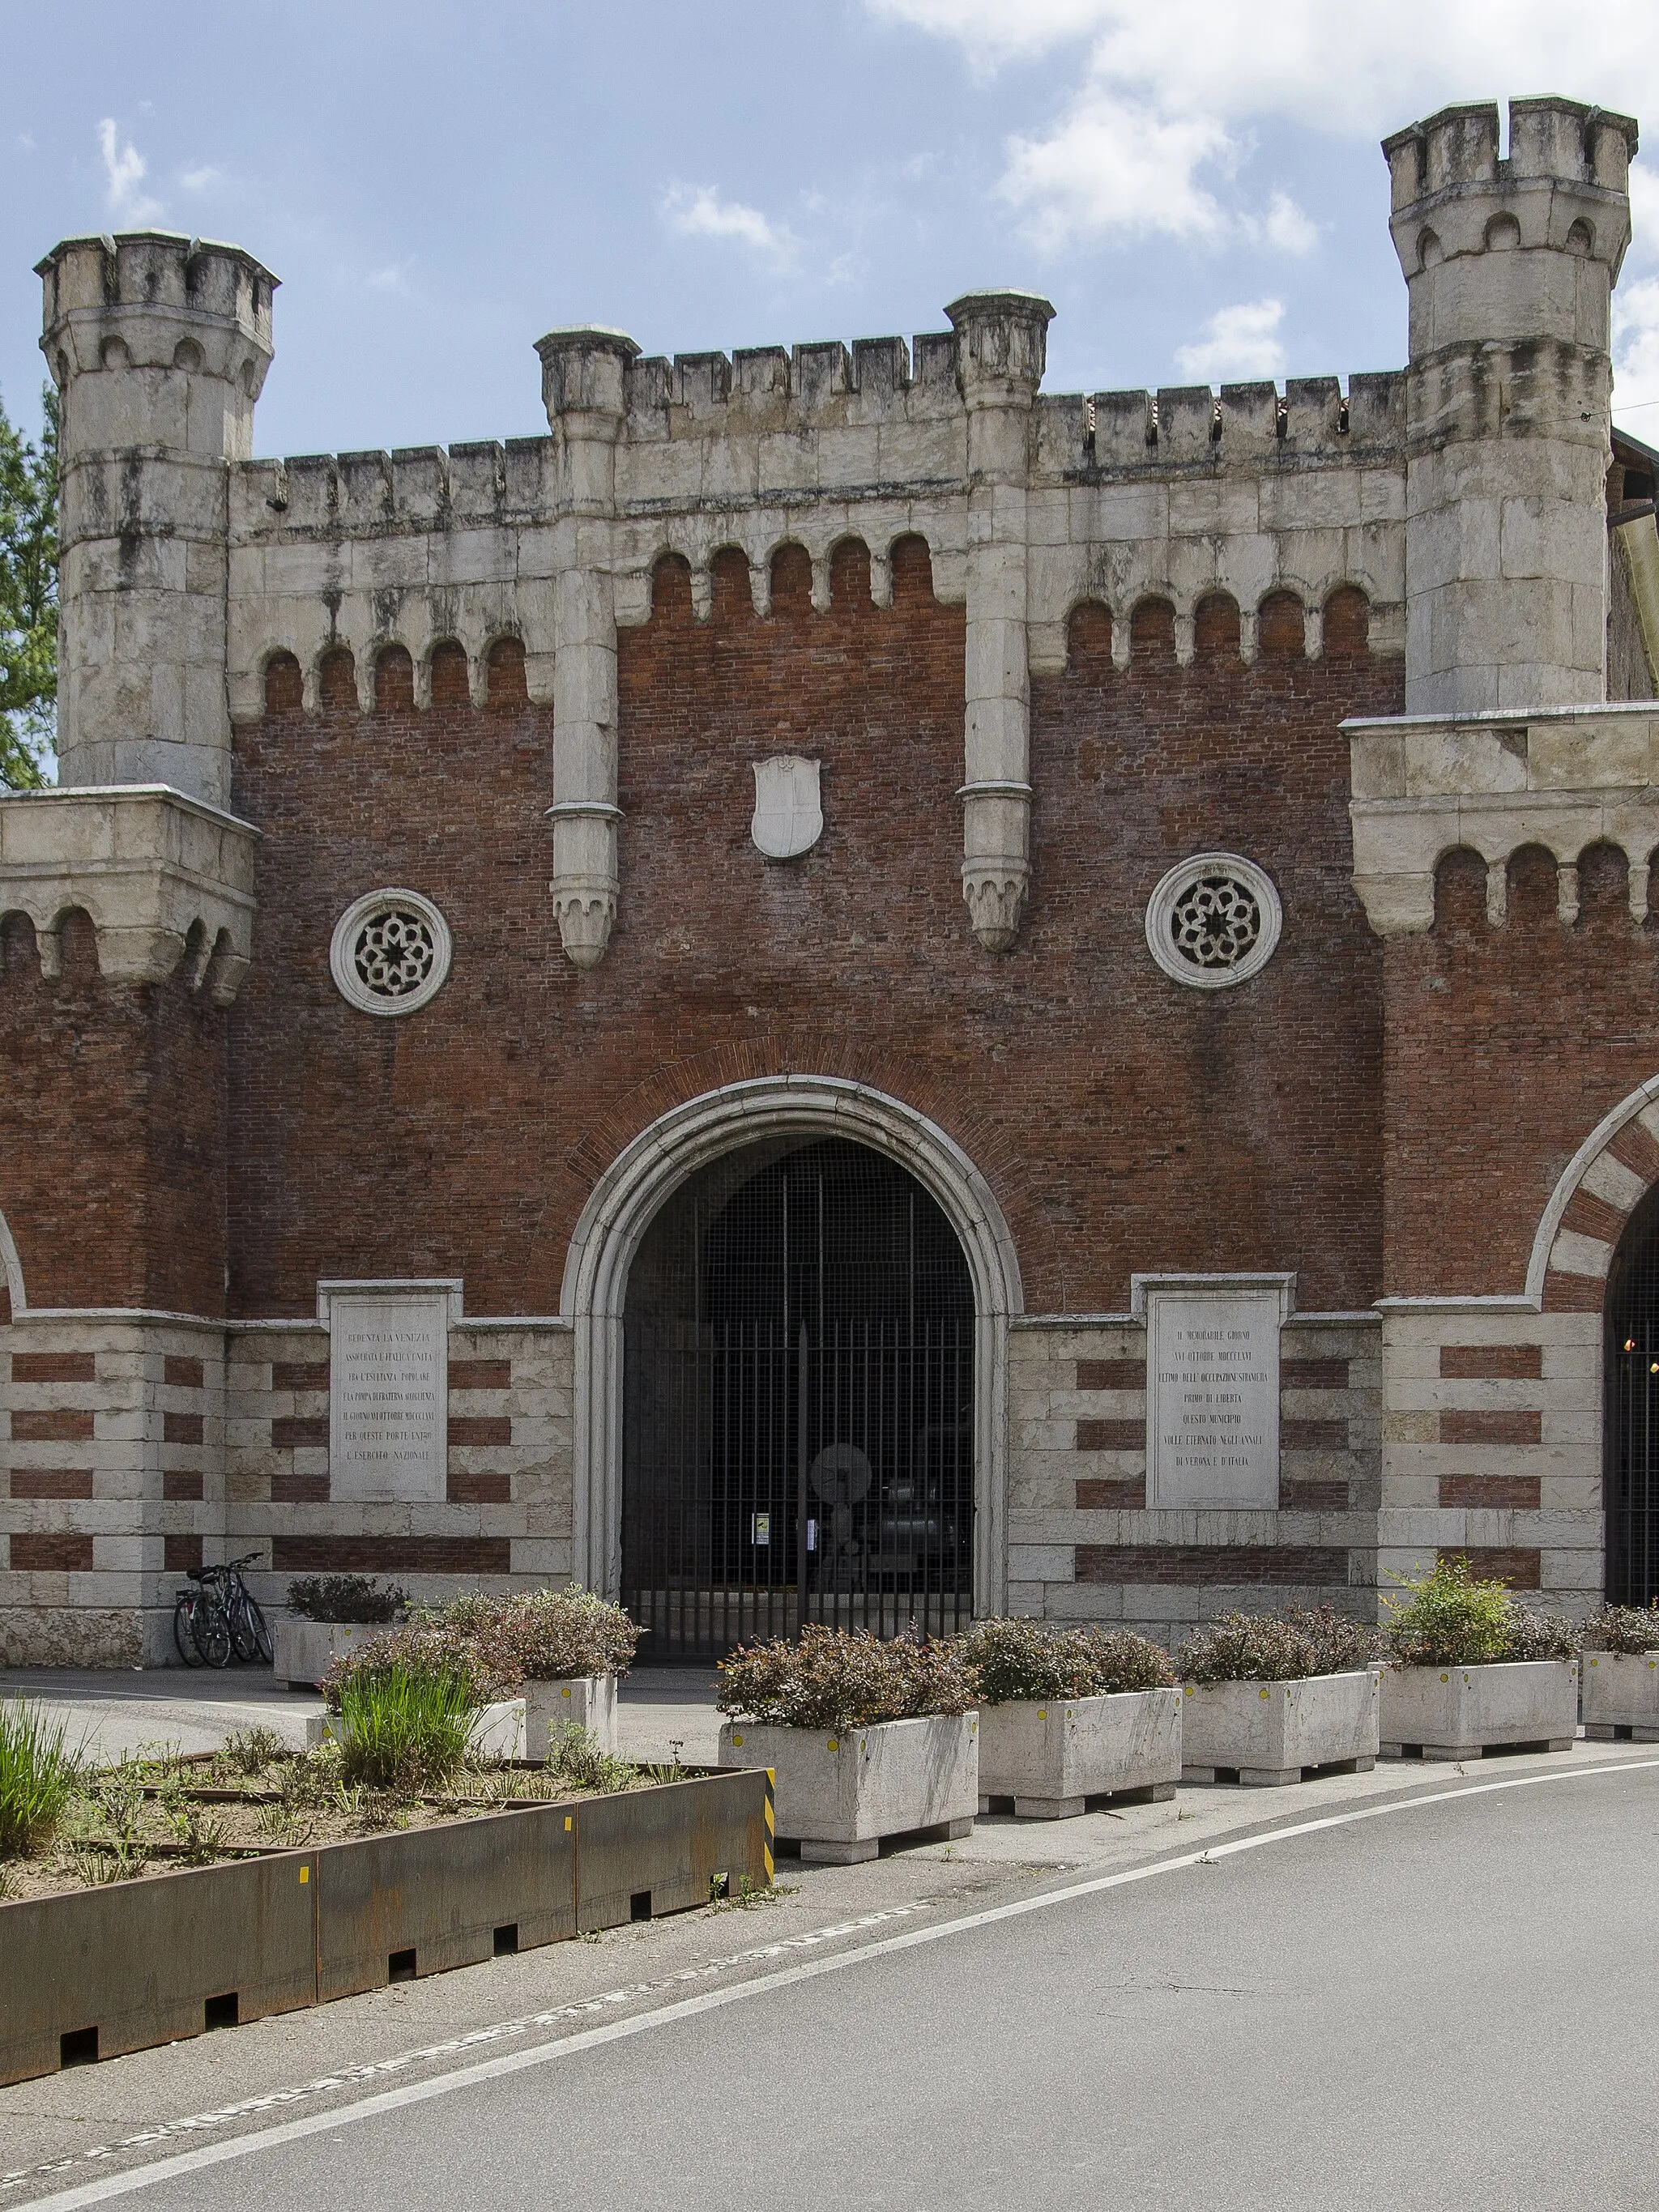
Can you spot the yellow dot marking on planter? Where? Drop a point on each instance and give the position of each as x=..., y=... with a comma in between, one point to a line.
x=564, y=1693
x=835, y=1743
x=1267, y=1693
x=737, y=1739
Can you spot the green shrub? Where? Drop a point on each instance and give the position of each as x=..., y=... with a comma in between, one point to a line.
x=837, y=1677
x=1450, y=1618
x=1634, y=1628
x=1278, y=1647
x=426, y=1649
x=357, y=1599
x=575, y=1757
x=543, y=1636
x=38, y=1772
x=1013, y=1660
x=402, y=1729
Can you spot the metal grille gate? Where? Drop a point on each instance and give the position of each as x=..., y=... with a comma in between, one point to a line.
x=1632, y=1480
x=797, y=1408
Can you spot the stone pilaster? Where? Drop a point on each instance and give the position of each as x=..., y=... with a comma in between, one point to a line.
x=582, y=373
x=1001, y=339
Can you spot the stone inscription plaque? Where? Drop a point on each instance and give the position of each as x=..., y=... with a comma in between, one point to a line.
x=388, y=1402
x=1212, y=1405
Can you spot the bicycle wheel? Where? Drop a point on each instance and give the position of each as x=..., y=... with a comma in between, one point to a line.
x=246, y=1623
x=183, y=1627
x=212, y=1630
x=263, y=1646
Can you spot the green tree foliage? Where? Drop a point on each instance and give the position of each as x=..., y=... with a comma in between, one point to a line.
x=28, y=600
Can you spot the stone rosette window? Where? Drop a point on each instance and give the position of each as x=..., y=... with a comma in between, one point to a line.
x=391, y=952
x=1213, y=921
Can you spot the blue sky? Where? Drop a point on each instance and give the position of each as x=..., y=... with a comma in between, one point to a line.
x=1196, y=186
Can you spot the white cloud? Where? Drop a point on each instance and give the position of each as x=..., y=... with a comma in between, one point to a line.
x=1636, y=356
x=1286, y=228
x=202, y=179
x=124, y=173
x=394, y=278
x=698, y=211
x=1239, y=344
x=1113, y=168
x=1176, y=83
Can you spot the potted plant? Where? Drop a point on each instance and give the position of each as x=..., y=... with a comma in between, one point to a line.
x=866, y=1739
x=1620, y=1678
x=1471, y=1670
x=1267, y=1697
x=327, y=1616
x=564, y=1649
x=1068, y=1714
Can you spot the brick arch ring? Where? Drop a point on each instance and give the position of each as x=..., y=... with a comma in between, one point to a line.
x=639, y=1181
x=1578, y=1231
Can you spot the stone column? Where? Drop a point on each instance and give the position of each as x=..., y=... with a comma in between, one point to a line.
x=582, y=378
x=1511, y=266
x=158, y=346
x=1001, y=338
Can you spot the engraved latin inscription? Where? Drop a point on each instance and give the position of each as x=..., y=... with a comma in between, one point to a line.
x=388, y=1395
x=1213, y=1408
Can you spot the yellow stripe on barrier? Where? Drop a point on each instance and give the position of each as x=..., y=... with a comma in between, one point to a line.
x=771, y=1820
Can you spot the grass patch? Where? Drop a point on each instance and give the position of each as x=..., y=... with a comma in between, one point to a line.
x=38, y=1774
x=403, y=1728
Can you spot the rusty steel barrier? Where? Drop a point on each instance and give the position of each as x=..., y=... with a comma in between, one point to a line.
x=99, y=1971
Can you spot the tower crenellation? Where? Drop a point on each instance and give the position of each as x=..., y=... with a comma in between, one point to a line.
x=159, y=346
x=1510, y=263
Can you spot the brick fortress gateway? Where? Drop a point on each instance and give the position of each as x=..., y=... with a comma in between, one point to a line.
x=846, y=988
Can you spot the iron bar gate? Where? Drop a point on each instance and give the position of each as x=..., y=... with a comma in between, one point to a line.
x=798, y=1445
x=1632, y=1472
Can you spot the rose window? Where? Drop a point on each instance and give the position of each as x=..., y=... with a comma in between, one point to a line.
x=391, y=952
x=1213, y=921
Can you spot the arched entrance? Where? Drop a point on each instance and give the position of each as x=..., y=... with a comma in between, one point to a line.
x=797, y=1403
x=789, y=1112
x=1631, y=1483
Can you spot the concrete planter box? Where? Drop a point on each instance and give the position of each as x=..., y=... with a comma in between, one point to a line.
x=839, y=1793
x=1048, y=1756
x=497, y=1732
x=1621, y=1695
x=103, y=1971
x=1269, y=1732
x=1458, y=1712
x=305, y=1650
x=584, y=1701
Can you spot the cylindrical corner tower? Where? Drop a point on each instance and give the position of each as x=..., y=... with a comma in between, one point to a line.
x=1511, y=265
x=158, y=345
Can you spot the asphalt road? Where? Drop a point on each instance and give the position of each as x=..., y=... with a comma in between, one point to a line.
x=1416, y=2005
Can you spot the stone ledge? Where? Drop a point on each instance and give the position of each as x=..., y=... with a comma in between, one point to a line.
x=163, y=877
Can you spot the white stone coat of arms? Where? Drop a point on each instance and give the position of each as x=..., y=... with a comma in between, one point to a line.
x=788, y=818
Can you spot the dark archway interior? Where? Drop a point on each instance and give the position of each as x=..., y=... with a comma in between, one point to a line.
x=798, y=1404
x=1631, y=1482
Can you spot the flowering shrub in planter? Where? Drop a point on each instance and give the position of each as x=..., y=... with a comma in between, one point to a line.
x=1620, y=1677
x=1068, y=1714
x=565, y=1648
x=866, y=1738
x=1472, y=1670
x=329, y=1615
x=1266, y=1697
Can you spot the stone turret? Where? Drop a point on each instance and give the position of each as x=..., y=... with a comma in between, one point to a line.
x=159, y=346
x=1511, y=265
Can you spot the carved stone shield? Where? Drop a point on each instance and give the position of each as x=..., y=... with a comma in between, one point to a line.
x=788, y=817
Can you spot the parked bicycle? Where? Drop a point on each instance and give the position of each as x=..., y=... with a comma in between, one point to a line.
x=217, y=1616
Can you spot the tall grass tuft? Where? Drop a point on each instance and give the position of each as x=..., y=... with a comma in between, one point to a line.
x=37, y=1772
x=404, y=1729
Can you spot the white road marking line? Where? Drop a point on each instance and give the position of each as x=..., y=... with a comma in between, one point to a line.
x=490, y=2070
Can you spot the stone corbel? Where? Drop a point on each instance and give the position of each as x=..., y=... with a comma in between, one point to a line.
x=163, y=877
x=584, y=876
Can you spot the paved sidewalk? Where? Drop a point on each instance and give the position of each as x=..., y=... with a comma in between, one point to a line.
x=664, y=1712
